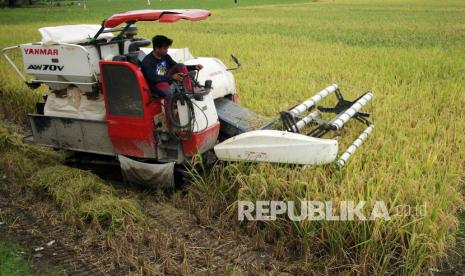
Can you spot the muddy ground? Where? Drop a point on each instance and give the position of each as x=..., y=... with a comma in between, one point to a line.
x=173, y=242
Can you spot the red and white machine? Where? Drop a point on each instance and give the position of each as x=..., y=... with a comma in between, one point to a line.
x=99, y=102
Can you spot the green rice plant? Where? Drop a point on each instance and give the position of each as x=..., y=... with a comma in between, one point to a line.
x=81, y=194
x=401, y=245
x=414, y=156
x=111, y=212
x=69, y=186
x=17, y=166
x=6, y=138
x=19, y=160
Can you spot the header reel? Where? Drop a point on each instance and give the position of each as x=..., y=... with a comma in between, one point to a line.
x=345, y=110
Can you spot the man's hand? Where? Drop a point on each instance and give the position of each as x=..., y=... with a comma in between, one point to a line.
x=199, y=67
x=178, y=76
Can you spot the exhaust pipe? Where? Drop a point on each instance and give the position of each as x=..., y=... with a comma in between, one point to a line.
x=313, y=100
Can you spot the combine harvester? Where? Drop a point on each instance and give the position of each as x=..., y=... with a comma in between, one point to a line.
x=99, y=102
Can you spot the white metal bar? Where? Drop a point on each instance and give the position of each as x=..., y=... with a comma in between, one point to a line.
x=305, y=121
x=4, y=50
x=355, y=145
x=351, y=111
x=314, y=100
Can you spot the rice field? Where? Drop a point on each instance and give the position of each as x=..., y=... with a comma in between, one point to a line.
x=409, y=53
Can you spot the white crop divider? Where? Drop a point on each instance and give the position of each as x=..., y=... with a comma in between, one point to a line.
x=342, y=119
x=313, y=100
x=305, y=121
x=355, y=145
